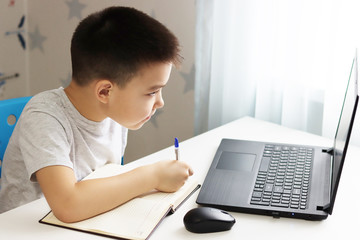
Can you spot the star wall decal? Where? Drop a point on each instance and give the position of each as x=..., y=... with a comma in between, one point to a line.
x=66, y=81
x=189, y=79
x=75, y=8
x=153, y=119
x=36, y=39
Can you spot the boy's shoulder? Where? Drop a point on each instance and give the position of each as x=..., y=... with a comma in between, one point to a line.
x=48, y=97
x=51, y=102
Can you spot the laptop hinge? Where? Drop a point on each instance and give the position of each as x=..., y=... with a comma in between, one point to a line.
x=329, y=150
x=324, y=208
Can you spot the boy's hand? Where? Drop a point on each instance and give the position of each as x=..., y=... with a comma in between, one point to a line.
x=171, y=175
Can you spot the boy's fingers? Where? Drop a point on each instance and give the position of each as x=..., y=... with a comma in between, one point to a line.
x=191, y=172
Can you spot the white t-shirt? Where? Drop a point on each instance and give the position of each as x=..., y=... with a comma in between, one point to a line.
x=50, y=131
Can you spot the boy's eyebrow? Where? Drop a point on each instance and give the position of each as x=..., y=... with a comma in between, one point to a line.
x=155, y=87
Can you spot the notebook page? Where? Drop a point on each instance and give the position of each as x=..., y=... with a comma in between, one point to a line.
x=134, y=219
x=174, y=199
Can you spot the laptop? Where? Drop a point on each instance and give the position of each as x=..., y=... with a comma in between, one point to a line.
x=281, y=180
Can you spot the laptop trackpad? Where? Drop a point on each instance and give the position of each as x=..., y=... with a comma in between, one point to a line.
x=231, y=180
x=236, y=161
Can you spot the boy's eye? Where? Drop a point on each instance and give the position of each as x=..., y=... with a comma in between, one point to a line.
x=154, y=93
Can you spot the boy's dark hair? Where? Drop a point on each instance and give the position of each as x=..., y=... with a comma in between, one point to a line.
x=117, y=42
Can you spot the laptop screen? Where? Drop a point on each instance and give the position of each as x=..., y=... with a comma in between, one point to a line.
x=342, y=136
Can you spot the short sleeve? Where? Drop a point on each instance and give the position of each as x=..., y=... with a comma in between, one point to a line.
x=43, y=142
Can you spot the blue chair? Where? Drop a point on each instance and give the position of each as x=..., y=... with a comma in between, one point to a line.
x=10, y=110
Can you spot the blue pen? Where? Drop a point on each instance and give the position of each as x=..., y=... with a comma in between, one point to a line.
x=176, y=144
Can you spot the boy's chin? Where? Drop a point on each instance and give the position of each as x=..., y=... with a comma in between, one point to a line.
x=136, y=126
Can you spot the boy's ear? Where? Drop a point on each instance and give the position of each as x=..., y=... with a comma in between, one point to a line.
x=103, y=90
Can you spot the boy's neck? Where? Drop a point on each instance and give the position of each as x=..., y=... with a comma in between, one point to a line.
x=84, y=100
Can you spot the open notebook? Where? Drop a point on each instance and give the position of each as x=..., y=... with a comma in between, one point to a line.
x=136, y=219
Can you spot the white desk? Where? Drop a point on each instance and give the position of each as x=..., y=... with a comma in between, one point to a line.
x=22, y=222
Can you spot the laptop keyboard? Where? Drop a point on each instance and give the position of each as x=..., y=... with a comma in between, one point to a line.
x=283, y=179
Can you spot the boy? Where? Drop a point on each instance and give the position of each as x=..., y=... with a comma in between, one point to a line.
x=121, y=60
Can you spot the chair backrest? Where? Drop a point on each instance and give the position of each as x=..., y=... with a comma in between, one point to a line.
x=10, y=110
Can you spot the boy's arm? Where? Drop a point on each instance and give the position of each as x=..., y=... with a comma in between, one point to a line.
x=73, y=201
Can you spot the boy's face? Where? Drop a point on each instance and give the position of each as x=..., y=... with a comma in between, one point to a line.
x=133, y=105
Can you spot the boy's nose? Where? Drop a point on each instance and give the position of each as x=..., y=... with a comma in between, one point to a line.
x=159, y=102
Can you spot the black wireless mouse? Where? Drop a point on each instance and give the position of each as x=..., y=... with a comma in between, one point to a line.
x=206, y=220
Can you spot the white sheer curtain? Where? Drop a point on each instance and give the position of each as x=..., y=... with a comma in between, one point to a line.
x=282, y=61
